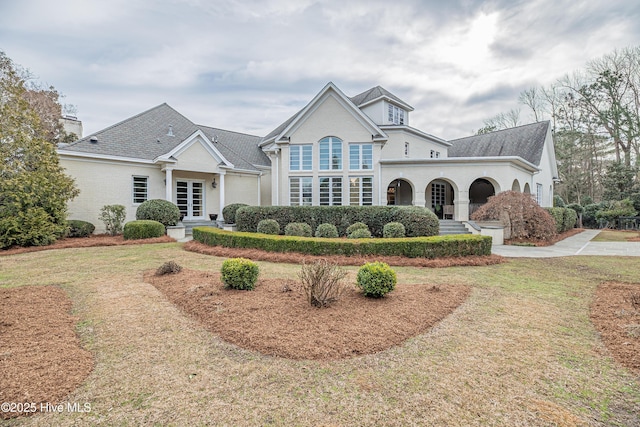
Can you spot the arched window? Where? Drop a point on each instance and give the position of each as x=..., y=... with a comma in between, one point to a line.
x=330, y=153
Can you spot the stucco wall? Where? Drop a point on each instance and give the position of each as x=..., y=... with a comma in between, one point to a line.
x=108, y=183
x=197, y=158
x=419, y=148
x=241, y=189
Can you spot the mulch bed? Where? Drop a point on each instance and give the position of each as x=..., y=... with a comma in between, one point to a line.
x=542, y=243
x=618, y=321
x=85, y=242
x=276, y=319
x=298, y=258
x=41, y=359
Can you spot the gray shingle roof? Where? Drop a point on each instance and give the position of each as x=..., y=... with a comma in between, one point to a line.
x=375, y=93
x=525, y=141
x=146, y=136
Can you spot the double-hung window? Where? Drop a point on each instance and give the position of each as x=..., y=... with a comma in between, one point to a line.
x=140, y=189
x=360, y=156
x=330, y=153
x=300, y=191
x=300, y=157
x=539, y=194
x=396, y=115
x=330, y=191
x=361, y=191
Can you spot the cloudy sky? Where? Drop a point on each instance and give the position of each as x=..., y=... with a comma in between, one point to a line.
x=249, y=65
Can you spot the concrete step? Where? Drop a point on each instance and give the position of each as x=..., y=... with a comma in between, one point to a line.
x=189, y=225
x=449, y=226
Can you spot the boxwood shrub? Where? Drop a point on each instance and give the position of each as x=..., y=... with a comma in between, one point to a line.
x=426, y=247
x=418, y=221
x=78, y=228
x=229, y=213
x=298, y=229
x=327, y=231
x=268, y=226
x=239, y=273
x=564, y=218
x=143, y=229
x=163, y=211
x=360, y=233
x=376, y=279
x=393, y=230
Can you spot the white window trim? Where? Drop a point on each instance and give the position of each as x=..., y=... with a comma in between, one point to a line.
x=301, y=193
x=133, y=189
x=360, y=156
x=300, y=148
x=331, y=181
x=331, y=140
x=360, y=189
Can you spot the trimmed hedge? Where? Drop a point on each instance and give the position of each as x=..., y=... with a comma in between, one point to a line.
x=78, y=228
x=393, y=230
x=143, y=229
x=360, y=233
x=301, y=229
x=425, y=247
x=418, y=221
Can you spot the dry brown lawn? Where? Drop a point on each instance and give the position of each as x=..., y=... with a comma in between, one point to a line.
x=520, y=351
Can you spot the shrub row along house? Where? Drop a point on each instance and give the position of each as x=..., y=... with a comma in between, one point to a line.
x=335, y=151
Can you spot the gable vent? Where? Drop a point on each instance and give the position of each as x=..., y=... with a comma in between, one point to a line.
x=170, y=133
x=93, y=139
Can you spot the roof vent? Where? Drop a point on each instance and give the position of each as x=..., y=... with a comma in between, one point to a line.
x=170, y=133
x=215, y=138
x=94, y=139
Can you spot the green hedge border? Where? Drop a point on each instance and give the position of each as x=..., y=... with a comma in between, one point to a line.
x=414, y=247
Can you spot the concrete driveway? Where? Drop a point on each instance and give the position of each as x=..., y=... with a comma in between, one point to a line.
x=580, y=244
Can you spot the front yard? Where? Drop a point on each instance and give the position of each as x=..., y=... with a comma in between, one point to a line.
x=521, y=350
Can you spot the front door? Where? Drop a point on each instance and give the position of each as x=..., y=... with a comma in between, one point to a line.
x=190, y=199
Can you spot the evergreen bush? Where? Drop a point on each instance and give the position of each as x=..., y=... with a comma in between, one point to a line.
x=356, y=226
x=360, y=233
x=78, y=228
x=229, y=213
x=326, y=230
x=163, y=211
x=268, y=226
x=393, y=230
x=239, y=273
x=301, y=229
x=376, y=279
x=143, y=229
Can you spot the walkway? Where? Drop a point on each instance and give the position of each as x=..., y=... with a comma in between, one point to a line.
x=580, y=244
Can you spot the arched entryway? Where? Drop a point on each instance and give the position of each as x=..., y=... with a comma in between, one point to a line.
x=400, y=193
x=479, y=192
x=439, y=196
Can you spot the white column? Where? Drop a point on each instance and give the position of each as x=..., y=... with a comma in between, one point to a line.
x=168, y=184
x=221, y=186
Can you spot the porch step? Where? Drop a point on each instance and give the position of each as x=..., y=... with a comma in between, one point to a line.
x=188, y=225
x=448, y=226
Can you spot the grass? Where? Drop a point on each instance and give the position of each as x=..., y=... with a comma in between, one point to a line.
x=520, y=351
x=616, y=236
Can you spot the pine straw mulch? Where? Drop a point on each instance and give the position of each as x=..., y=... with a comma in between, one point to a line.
x=276, y=319
x=85, y=242
x=41, y=359
x=618, y=321
x=298, y=258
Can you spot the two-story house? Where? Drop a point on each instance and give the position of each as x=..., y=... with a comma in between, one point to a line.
x=335, y=151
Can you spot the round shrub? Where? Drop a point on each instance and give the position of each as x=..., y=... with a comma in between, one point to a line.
x=418, y=221
x=393, y=229
x=229, y=212
x=78, y=228
x=301, y=229
x=143, y=229
x=356, y=226
x=163, y=211
x=360, y=233
x=376, y=279
x=327, y=230
x=239, y=273
x=268, y=226
x=169, y=267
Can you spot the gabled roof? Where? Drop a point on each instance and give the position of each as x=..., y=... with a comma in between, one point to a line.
x=376, y=93
x=525, y=141
x=158, y=131
x=297, y=118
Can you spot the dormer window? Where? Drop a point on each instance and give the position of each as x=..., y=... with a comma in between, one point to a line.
x=396, y=115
